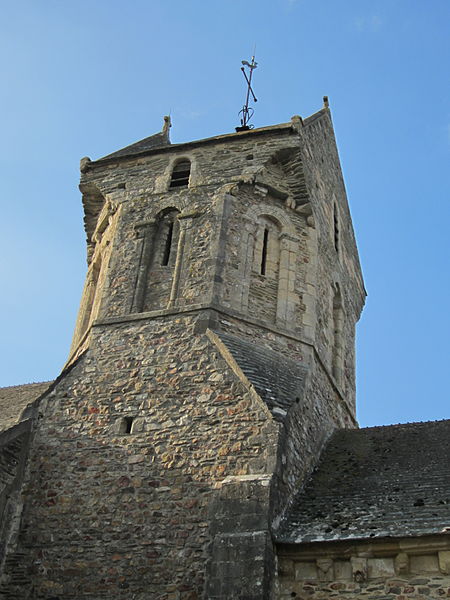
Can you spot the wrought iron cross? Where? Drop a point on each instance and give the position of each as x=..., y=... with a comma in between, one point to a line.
x=247, y=111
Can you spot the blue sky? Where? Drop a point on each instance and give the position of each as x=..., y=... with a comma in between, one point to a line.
x=89, y=77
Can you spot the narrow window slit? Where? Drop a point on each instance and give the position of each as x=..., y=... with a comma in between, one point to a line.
x=167, y=246
x=264, y=252
x=336, y=229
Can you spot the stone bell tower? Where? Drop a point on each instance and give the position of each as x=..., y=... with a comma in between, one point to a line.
x=213, y=356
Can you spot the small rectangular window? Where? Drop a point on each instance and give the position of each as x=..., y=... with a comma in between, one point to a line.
x=126, y=425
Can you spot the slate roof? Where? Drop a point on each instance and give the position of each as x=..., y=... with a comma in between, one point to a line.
x=14, y=399
x=277, y=380
x=158, y=140
x=376, y=482
x=161, y=140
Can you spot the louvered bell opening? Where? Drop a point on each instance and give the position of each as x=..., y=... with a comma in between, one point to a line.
x=180, y=174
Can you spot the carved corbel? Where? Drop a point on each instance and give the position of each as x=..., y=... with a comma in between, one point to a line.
x=305, y=209
x=276, y=192
x=85, y=163
x=359, y=569
x=325, y=569
x=401, y=564
x=297, y=122
x=261, y=190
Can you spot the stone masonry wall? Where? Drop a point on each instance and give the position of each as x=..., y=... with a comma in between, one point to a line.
x=312, y=417
x=140, y=186
x=325, y=183
x=136, y=444
x=115, y=515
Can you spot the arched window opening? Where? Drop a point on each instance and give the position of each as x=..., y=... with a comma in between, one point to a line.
x=180, y=174
x=167, y=245
x=267, y=267
x=166, y=238
x=267, y=248
x=263, y=281
x=162, y=257
x=264, y=251
x=338, y=326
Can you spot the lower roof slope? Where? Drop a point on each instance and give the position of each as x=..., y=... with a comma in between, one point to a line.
x=278, y=380
x=14, y=400
x=376, y=482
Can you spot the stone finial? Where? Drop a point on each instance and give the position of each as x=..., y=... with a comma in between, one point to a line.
x=297, y=121
x=326, y=104
x=84, y=164
x=166, y=127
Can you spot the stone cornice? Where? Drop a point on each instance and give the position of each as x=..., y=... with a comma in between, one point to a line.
x=367, y=548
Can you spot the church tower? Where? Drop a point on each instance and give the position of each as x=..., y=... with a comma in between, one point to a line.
x=213, y=356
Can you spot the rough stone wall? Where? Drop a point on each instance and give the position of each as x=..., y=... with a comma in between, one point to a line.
x=326, y=186
x=152, y=427
x=110, y=514
x=311, y=171
x=311, y=418
x=140, y=186
x=413, y=570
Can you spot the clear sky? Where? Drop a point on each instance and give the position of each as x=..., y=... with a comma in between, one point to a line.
x=89, y=77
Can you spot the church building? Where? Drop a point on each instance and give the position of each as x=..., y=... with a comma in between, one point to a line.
x=201, y=441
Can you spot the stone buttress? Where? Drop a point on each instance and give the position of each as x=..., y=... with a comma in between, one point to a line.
x=212, y=358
